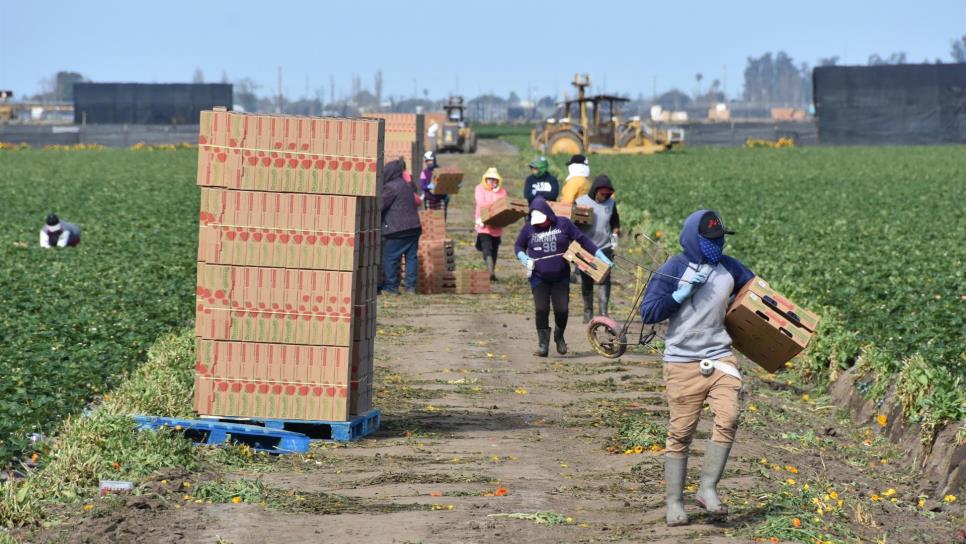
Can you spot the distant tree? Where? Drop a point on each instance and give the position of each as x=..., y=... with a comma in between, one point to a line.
x=244, y=94
x=698, y=77
x=377, y=85
x=775, y=80
x=514, y=99
x=829, y=61
x=64, y=85
x=958, y=51
x=198, y=77
x=895, y=58
x=224, y=77
x=675, y=99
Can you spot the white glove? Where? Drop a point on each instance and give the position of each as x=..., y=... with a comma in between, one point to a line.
x=613, y=240
x=479, y=223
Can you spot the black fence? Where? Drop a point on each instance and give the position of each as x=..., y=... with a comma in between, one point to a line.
x=147, y=103
x=896, y=104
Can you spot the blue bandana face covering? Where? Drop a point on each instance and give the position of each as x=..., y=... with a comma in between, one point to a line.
x=712, y=249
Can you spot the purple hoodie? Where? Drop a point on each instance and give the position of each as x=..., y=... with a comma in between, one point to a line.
x=553, y=240
x=425, y=178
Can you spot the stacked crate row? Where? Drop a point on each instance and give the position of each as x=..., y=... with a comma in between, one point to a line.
x=404, y=138
x=289, y=248
x=437, y=271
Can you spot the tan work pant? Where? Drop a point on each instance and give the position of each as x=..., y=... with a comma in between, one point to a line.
x=687, y=391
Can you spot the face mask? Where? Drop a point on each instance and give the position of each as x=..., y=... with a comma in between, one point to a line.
x=537, y=218
x=712, y=249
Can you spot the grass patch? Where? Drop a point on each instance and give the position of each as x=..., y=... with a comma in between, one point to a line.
x=106, y=444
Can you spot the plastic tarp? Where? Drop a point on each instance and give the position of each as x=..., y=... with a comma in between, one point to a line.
x=147, y=103
x=895, y=104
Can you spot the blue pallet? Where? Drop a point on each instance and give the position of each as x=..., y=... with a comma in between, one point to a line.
x=215, y=432
x=340, y=431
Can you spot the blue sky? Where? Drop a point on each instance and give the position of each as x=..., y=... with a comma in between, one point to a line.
x=470, y=47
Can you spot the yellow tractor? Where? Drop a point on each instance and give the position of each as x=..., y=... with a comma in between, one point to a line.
x=593, y=124
x=454, y=134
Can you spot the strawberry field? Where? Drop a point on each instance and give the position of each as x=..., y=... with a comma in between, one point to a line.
x=869, y=237
x=76, y=320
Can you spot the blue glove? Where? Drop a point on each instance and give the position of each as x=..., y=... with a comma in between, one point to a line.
x=600, y=255
x=523, y=257
x=684, y=292
x=431, y=186
x=701, y=277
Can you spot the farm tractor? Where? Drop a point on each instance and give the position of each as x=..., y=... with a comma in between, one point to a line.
x=593, y=124
x=454, y=135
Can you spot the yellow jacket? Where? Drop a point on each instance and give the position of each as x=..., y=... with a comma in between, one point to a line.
x=574, y=188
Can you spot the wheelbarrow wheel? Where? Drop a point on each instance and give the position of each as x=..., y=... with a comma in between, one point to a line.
x=606, y=337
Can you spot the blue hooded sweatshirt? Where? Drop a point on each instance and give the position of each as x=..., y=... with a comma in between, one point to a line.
x=696, y=327
x=550, y=241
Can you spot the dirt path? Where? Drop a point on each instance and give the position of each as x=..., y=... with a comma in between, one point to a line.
x=468, y=410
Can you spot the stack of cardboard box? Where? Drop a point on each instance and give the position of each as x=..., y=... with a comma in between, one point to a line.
x=288, y=258
x=437, y=257
x=405, y=134
x=436, y=265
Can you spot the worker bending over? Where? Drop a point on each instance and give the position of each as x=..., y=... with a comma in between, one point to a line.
x=57, y=233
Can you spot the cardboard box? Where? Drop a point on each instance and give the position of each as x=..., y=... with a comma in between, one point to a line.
x=332, y=214
x=286, y=327
x=577, y=214
x=433, y=223
x=504, y=212
x=290, y=154
x=313, y=292
x=298, y=364
x=472, y=282
x=284, y=248
x=586, y=262
x=277, y=400
x=404, y=136
x=762, y=332
x=448, y=181
x=788, y=309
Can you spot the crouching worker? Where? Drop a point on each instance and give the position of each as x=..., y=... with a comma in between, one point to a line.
x=692, y=291
x=488, y=237
x=540, y=247
x=57, y=233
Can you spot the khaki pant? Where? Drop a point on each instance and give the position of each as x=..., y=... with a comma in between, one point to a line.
x=687, y=391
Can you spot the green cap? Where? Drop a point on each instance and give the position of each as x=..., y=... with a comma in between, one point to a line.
x=540, y=163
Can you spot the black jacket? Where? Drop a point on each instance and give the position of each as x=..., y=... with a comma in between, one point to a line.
x=400, y=216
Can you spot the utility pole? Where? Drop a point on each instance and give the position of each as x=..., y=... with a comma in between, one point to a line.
x=278, y=100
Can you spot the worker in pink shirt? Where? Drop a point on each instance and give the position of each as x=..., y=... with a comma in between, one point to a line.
x=488, y=191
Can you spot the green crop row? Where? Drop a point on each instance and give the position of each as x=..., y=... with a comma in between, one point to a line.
x=869, y=237
x=76, y=320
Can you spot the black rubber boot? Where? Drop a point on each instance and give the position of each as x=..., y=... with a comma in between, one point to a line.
x=558, y=338
x=588, y=304
x=490, y=267
x=543, y=339
x=603, y=298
